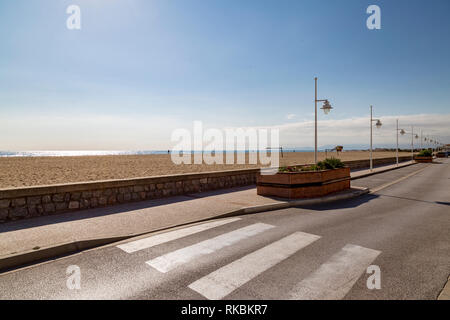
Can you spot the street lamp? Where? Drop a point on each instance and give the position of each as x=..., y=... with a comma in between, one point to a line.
x=378, y=125
x=326, y=109
x=421, y=139
x=403, y=132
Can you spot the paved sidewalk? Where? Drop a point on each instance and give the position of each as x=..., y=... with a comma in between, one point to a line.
x=126, y=220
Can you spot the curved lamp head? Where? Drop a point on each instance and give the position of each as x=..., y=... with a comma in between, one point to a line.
x=402, y=132
x=327, y=107
x=378, y=124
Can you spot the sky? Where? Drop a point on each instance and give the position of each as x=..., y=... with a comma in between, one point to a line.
x=139, y=69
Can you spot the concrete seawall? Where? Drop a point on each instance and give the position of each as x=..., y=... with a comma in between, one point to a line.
x=24, y=203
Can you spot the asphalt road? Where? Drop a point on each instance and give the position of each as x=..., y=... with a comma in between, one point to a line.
x=299, y=253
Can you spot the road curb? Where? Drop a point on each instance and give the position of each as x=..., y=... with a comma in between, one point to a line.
x=309, y=202
x=57, y=251
x=383, y=171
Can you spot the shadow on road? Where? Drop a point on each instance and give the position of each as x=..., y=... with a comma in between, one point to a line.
x=343, y=204
x=418, y=200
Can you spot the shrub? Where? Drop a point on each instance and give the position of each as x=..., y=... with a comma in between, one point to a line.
x=425, y=153
x=330, y=164
x=310, y=168
x=327, y=164
x=288, y=169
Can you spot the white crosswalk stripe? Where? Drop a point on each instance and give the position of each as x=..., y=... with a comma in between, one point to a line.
x=173, y=259
x=158, y=239
x=223, y=281
x=331, y=281
x=335, y=278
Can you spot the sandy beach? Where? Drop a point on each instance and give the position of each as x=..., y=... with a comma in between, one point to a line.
x=33, y=171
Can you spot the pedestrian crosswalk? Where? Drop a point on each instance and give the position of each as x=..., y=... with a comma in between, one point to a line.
x=171, y=260
x=334, y=279
x=222, y=282
x=153, y=241
x=331, y=280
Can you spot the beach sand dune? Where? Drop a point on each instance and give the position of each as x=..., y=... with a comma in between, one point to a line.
x=33, y=171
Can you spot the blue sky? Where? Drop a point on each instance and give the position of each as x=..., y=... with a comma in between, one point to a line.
x=140, y=68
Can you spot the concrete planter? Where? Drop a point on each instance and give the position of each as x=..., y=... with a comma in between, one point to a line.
x=422, y=159
x=303, y=185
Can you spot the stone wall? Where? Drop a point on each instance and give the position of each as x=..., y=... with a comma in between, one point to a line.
x=39, y=201
x=364, y=164
x=22, y=203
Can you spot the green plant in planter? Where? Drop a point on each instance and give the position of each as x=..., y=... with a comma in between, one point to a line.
x=310, y=168
x=330, y=164
x=288, y=169
x=425, y=153
x=327, y=164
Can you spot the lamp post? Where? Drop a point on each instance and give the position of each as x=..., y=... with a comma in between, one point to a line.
x=326, y=109
x=421, y=139
x=378, y=125
x=396, y=153
x=403, y=132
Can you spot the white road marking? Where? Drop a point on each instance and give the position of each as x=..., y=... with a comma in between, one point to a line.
x=158, y=239
x=173, y=259
x=375, y=190
x=335, y=278
x=223, y=281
